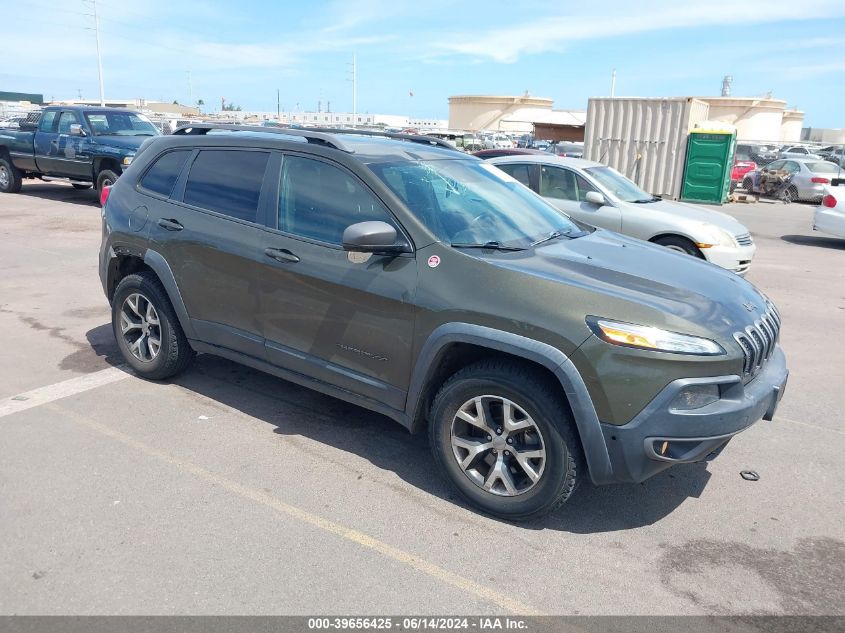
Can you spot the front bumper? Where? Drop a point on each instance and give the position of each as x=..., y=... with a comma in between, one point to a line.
x=737, y=259
x=637, y=450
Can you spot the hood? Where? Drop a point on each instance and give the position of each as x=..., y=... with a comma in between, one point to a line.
x=120, y=141
x=696, y=214
x=678, y=287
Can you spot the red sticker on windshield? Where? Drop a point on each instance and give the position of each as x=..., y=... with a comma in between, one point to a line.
x=433, y=261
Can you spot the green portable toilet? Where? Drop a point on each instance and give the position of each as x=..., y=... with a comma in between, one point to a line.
x=710, y=155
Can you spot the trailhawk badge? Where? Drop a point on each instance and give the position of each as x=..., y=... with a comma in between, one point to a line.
x=433, y=261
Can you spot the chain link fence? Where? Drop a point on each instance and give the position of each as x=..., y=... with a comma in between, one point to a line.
x=798, y=171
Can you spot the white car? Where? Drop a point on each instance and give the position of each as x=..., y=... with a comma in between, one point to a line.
x=830, y=216
x=599, y=195
x=797, y=151
x=498, y=141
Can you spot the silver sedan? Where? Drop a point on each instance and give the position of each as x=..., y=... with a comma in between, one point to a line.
x=599, y=195
x=810, y=177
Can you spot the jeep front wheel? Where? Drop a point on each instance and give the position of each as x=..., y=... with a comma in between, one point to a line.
x=504, y=440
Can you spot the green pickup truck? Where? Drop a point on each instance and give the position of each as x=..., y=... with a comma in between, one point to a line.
x=81, y=145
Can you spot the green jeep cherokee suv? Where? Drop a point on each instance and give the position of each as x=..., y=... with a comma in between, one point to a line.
x=416, y=281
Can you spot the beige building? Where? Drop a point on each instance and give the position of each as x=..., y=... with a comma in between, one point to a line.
x=516, y=114
x=142, y=105
x=757, y=118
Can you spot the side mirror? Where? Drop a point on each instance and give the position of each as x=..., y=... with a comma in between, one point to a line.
x=374, y=237
x=28, y=126
x=76, y=130
x=594, y=197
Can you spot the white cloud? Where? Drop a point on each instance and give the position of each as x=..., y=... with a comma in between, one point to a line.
x=554, y=32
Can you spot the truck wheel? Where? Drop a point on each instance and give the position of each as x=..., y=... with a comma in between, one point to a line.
x=105, y=178
x=79, y=186
x=504, y=440
x=680, y=244
x=146, y=328
x=10, y=177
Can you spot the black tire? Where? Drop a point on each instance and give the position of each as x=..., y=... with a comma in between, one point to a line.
x=175, y=353
x=791, y=195
x=748, y=185
x=79, y=186
x=11, y=178
x=680, y=244
x=539, y=400
x=105, y=178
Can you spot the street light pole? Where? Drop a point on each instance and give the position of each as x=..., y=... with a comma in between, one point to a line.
x=99, y=56
x=354, y=91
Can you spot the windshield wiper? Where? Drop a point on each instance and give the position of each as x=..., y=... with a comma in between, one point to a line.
x=553, y=236
x=492, y=245
x=647, y=200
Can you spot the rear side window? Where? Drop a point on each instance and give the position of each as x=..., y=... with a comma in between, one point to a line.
x=519, y=171
x=47, y=121
x=228, y=182
x=162, y=176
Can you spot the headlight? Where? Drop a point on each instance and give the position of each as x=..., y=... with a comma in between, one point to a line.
x=652, y=338
x=127, y=161
x=714, y=235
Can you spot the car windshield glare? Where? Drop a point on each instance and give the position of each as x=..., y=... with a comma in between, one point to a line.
x=471, y=202
x=618, y=185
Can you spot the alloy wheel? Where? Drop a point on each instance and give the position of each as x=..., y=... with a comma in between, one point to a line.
x=140, y=327
x=5, y=179
x=498, y=446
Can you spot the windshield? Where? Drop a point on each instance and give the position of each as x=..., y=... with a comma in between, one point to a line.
x=618, y=185
x=120, y=124
x=471, y=202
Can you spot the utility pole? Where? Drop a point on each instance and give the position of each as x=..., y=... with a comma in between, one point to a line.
x=613, y=84
x=278, y=105
x=354, y=90
x=190, y=91
x=99, y=57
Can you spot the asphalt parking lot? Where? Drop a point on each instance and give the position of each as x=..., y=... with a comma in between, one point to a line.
x=227, y=491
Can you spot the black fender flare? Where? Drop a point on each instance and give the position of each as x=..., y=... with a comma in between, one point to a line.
x=161, y=268
x=586, y=419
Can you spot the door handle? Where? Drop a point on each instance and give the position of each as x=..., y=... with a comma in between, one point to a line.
x=170, y=225
x=281, y=255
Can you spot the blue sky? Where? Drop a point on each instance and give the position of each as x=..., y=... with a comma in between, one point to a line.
x=564, y=50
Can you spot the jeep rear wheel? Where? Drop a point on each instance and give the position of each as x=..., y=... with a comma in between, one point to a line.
x=147, y=331
x=504, y=440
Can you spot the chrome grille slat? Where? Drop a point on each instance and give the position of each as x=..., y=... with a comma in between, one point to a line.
x=758, y=341
x=744, y=239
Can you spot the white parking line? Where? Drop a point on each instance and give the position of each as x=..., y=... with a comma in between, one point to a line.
x=59, y=390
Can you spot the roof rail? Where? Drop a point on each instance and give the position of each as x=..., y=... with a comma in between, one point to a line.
x=318, y=138
x=413, y=138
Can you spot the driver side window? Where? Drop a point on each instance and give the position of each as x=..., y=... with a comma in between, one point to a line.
x=319, y=200
x=65, y=121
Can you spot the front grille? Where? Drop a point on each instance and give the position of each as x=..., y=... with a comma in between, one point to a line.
x=758, y=341
x=744, y=239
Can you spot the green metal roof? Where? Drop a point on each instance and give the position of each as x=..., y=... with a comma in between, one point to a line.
x=22, y=96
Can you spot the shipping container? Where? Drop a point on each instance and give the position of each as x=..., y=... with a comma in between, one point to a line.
x=643, y=138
